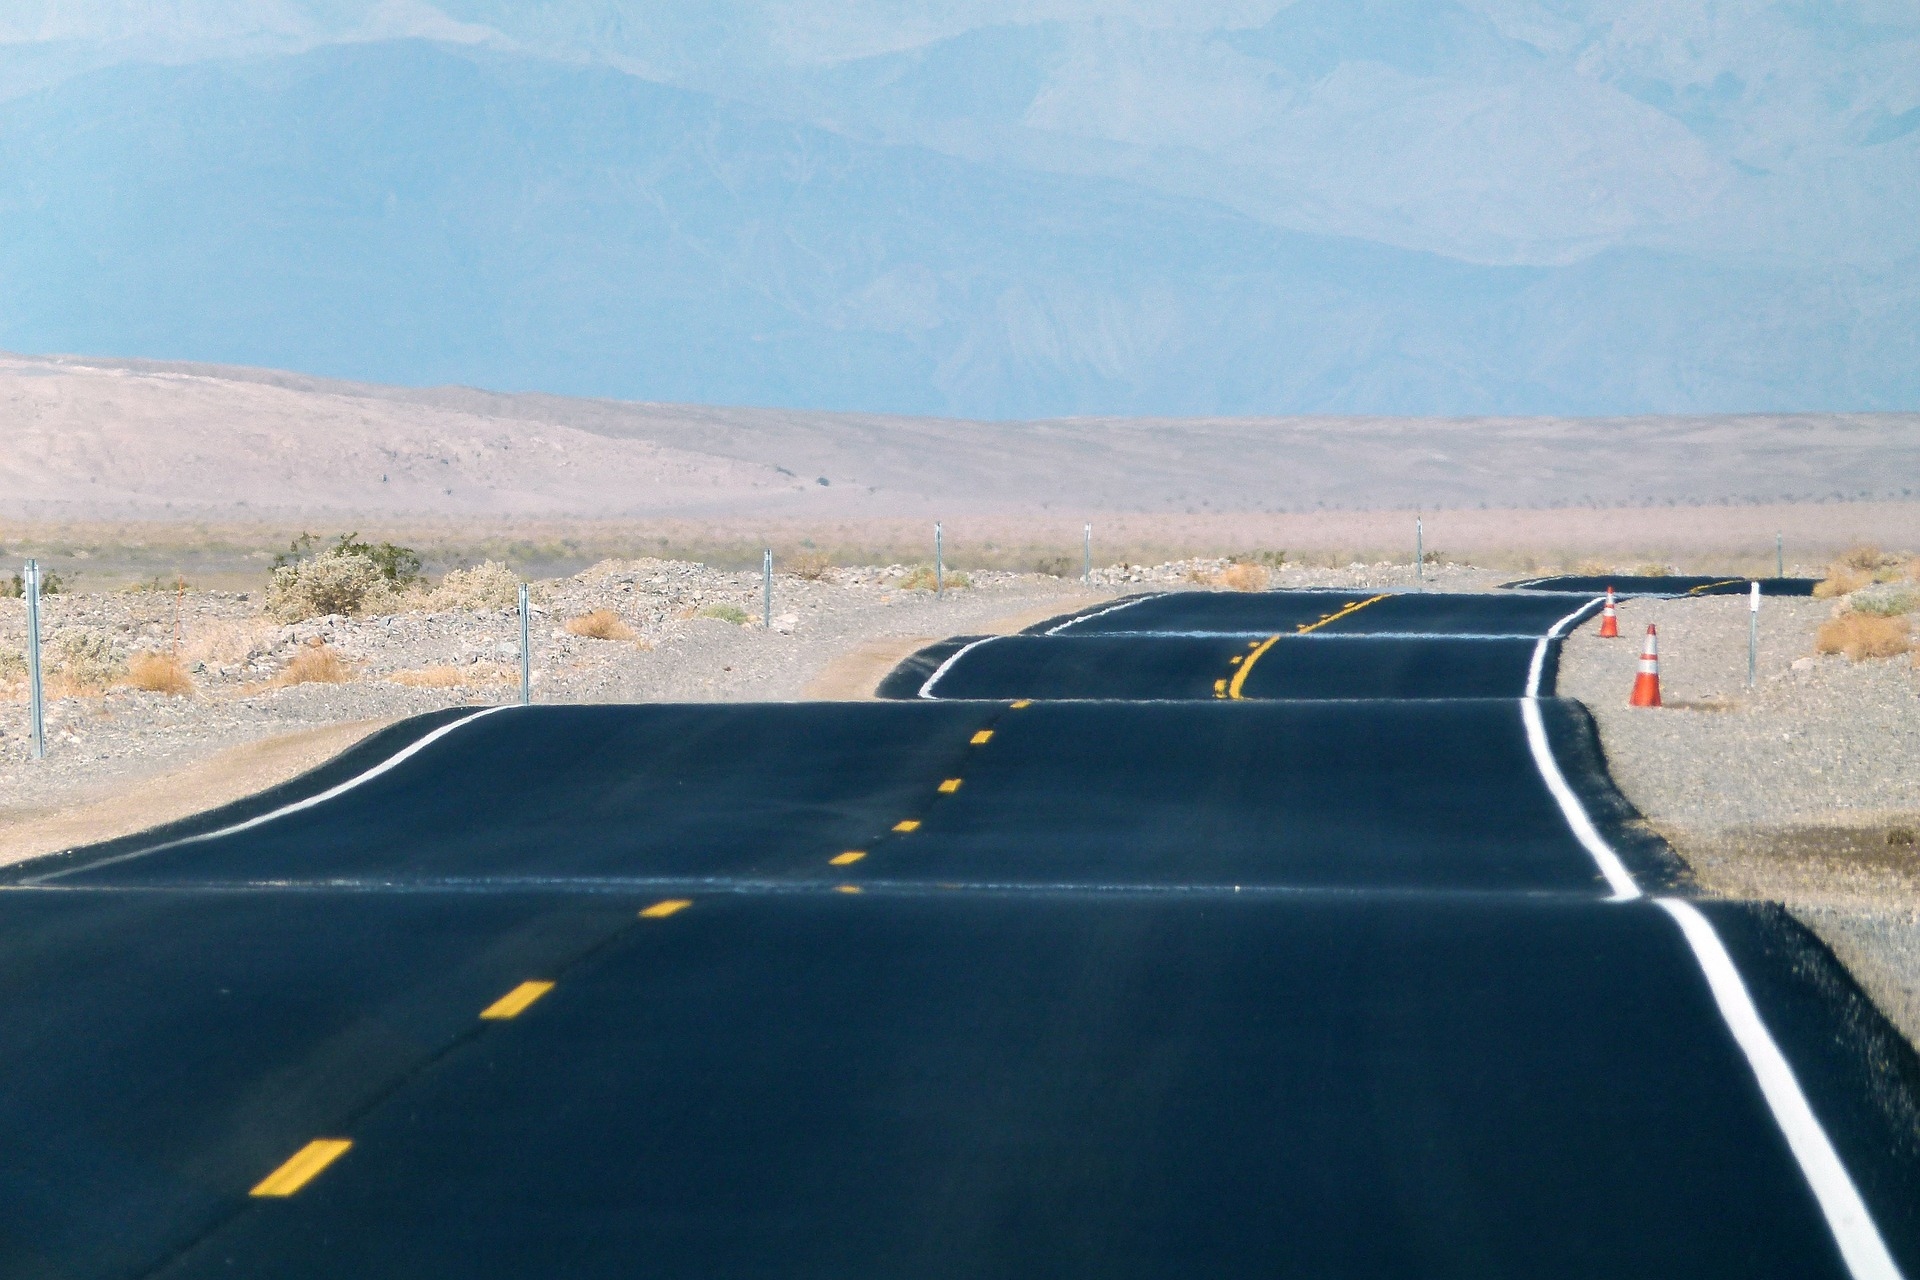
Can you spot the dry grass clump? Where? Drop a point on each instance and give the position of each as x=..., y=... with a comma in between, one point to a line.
x=1862, y=636
x=1652, y=571
x=1245, y=577
x=601, y=624
x=724, y=613
x=810, y=565
x=314, y=664
x=1593, y=568
x=1863, y=566
x=225, y=642
x=159, y=673
x=476, y=673
x=922, y=579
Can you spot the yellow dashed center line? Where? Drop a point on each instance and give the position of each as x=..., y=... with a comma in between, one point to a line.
x=907, y=824
x=1023, y=702
x=1355, y=607
x=846, y=859
x=950, y=786
x=661, y=910
x=846, y=888
x=1240, y=676
x=981, y=738
x=515, y=1001
x=304, y=1166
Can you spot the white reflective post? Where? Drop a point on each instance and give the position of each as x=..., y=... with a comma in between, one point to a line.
x=36, y=699
x=939, y=562
x=1753, y=636
x=766, y=584
x=1086, y=571
x=526, y=648
x=1419, y=550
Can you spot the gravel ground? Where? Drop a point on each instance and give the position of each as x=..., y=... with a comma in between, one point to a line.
x=1803, y=790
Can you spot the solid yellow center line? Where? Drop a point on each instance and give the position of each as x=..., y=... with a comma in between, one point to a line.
x=846, y=888
x=1708, y=586
x=1023, y=702
x=1240, y=675
x=846, y=859
x=304, y=1166
x=981, y=738
x=1355, y=607
x=511, y=1004
x=950, y=786
x=661, y=910
x=907, y=824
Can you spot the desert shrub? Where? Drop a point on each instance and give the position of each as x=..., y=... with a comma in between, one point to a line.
x=922, y=579
x=725, y=613
x=314, y=664
x=601, y=624
x=1266, y=559
x=1593, y=568
x=159, y=673
x=1057, y=567
x=1863, y=557
x=400, y=566
x=1241, y=576
x=51, y=584
x=1652, y=571
x=13, y=668
x=457, y=677
x=810, y=565
x=87, y=658
x=1862, y=636
x=490, y=585
x=1885, y=600
x=1841, y=580
x=335, y=582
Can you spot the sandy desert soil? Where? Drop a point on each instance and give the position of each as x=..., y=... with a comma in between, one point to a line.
x=92, y=438
x=1804, y=789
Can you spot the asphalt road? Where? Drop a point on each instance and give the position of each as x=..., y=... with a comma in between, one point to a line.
x=1665, y=585
x=1226, y=986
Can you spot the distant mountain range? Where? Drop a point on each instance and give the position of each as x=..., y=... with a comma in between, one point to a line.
x=1378, y=207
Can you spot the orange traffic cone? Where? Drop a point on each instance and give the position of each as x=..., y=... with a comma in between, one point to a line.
x=1609, y=620
x=1646, y=685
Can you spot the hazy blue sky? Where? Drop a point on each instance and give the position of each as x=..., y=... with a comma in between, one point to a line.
x=984, y=207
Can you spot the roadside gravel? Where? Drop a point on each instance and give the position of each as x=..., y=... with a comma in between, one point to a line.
x=1804, y=789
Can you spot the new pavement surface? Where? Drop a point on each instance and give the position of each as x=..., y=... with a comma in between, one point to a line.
x=1157, y=985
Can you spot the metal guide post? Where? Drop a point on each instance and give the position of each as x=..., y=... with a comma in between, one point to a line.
x=939, y=562
x=1419, y=550
x=36, y=698
x=1086, y=572
x=526, y=648
x=1753, y=636
x=1779, y=555
x=766, y=585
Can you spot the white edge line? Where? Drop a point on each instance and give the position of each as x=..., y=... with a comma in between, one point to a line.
x=1847, y=1215
x=1112, y=608
x=1617, y=876
x=390, y=762
x=926, y=690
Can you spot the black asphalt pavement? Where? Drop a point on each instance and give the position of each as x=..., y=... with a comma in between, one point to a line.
x=1151, y=985
x=1633, y=584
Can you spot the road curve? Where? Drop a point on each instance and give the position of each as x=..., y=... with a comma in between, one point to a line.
x=1145, y=985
